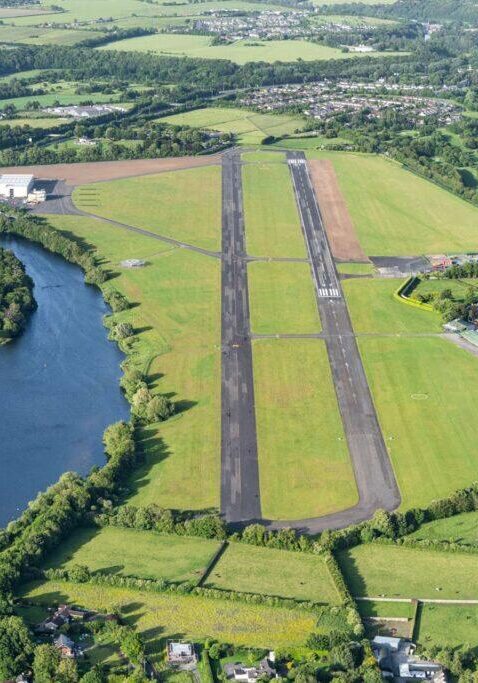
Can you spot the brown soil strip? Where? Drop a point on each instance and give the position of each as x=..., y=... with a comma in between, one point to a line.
x=94, y=172
x=338, y=223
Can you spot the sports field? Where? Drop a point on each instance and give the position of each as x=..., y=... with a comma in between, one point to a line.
x=282, y=299
x=177, y=297
x=374, y=310
x=240, y=52
x=304, y=464
x=144, y=554
x=399, y=572
x=459, y=529
x=251, y=569
x=250, y=127
x=158, y=204
x=160, y=616
x=270, y=212
x=397, y=213
x=448, y=625
x=425, y=390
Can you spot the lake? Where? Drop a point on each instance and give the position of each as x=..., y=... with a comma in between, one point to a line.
x=58, y=382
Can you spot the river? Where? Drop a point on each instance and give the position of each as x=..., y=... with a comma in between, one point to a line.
x=58, y=382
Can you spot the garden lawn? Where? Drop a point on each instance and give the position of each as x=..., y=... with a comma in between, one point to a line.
x=425, y=391
x=177, y=311
x=270, y=212
x=398, y=572
x=144, y=554
x=398, y=213
x=267, y=571
x=373, y=309
x=282, y=299
x=159, y=616
x=448, y=625
x=459, y=529
x=304, y=464
x=184, y=205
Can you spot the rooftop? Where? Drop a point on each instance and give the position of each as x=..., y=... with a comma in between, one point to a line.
x=16, y=180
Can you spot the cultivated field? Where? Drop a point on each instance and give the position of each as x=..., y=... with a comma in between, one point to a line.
x=270, y=212
x=304, y=464
x=136, y=553
x=250, y=127
x=400, y=572
x=397, y=213
x=448, y=625
x=426, y=415
x=157, y=203
x=459, y=529
x=282, y=298
x=178, y=313
x=267, y=571
x=159, y=616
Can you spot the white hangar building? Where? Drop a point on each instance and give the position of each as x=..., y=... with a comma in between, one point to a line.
x=16, y=186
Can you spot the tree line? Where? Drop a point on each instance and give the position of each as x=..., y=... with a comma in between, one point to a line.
x=16, y=295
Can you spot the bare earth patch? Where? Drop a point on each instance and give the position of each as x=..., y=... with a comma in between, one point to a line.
x=338, y=223
x=95, y=172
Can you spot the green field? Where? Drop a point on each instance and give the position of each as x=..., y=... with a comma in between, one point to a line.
x=250, y=127
x=374, y=310
x=135, y=553
x=397, y=213
x=425, y=391
x=304, y=463
x=251, y=569
x=159, y=616
x=399, y=572
x=185, y=205
x=448, y=625
x=459, y=288
x=240, y=52
x=401, y=610
x=31, y=35
x=308, y=143
x=270, y=212
x=282, y=299
x=459, y=529
x=262, y=155
x=34, y=122
x=179, y=318
x=355, y=268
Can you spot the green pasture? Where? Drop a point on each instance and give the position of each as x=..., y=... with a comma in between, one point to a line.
x=458, y=529
x=178, y=315
x=35, y=35
x=47, y=122
x=373, y=309
x=185, y=205
x=282, y=299
x=250, y=127
x=159, y=616
x=425, y=390
x=459, y=288
x=393, y=610
x=60, y=98
x=355, y=268
x=240, y=52
x=251, y=569
x=398, y=213
x=399, y=572
x=304, y=464
x=448, y=625
x=144, y=554
x=270, y=212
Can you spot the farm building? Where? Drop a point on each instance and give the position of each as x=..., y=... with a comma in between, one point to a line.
x=16, y=186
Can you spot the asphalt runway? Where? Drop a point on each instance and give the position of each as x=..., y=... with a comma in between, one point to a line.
x=240, y=493
x=373, y=471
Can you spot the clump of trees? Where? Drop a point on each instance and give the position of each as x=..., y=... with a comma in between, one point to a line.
x=16, y=295
x=146, y=407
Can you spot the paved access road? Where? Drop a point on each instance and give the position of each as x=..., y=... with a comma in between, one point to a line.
x=373, y=471
x=240, y=497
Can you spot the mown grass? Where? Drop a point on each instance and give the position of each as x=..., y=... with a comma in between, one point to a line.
x=459, y=529
x=373, y=309
x=263, y=155
x=177, y=313
x=184, y=205
x=304, y=463
x=274, y=572
x=425, y=391
x=270, y=212
x=397, y=213
x=356, y=268
x=160, y=616
x=400, y=572
x=282, y=298
x=135, y=553
x=394, y=610
x=448, y=625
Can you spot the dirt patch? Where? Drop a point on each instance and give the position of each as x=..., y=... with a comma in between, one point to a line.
x=95, y=172
x=338, y=223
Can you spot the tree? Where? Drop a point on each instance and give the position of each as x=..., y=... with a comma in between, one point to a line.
x=158, y=409
x=67, y=671
x=79, y=573
x=45, y=663
x=15, y=647
x=96, y=675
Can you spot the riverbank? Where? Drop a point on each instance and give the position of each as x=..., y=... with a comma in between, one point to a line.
x=16, y=296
